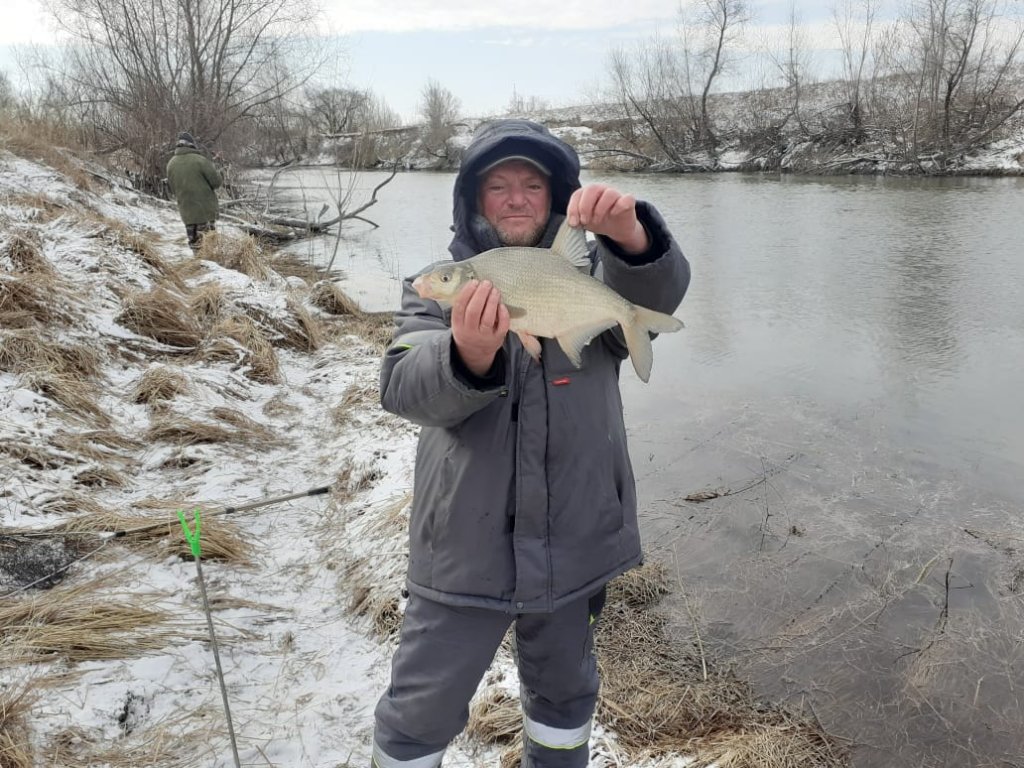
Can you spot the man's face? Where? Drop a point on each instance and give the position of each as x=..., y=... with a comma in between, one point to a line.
x=515, y=198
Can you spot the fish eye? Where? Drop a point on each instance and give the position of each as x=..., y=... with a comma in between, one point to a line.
x=446, y=278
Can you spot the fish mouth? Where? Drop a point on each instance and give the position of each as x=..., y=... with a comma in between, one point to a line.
x=420, y=285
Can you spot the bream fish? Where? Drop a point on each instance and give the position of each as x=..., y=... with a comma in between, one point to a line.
x=549, y=292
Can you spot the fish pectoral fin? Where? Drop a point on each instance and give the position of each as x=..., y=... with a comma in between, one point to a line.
x=571, y=244
x=530, y=343
x=575, y=339
x=515, y=312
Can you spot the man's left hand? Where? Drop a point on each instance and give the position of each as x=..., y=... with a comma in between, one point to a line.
x=605, y=211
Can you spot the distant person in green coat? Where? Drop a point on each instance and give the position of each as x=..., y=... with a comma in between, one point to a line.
x=193, y=179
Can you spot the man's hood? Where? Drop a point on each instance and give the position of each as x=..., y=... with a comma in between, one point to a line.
x=491, y=142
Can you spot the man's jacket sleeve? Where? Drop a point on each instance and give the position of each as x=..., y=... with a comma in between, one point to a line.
x=418, y=379
x=213, y=177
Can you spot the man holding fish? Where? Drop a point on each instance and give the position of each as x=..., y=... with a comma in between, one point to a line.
x=524, y=500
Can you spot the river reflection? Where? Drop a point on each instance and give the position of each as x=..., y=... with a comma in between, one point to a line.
x=854, y=358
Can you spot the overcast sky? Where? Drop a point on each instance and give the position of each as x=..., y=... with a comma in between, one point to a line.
x=482, y=52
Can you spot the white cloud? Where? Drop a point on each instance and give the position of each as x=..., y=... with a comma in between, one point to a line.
x=408, y=15
x=25, y=21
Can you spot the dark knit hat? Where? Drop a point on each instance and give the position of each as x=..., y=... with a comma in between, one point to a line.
x=185, y=139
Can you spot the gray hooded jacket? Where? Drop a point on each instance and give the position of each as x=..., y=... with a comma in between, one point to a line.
x=524, y=497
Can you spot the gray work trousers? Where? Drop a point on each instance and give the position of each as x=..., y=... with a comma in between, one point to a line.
x=444, y=652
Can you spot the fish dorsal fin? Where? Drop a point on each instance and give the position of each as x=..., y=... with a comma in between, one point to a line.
x=575, y=339
x=571, y=244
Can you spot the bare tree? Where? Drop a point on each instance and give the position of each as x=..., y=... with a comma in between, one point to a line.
x=855, y=23
x=792, y=60
x=7, y=99
x=440, y=108
x=140, y=70
x=719, y=22
x=955, y=67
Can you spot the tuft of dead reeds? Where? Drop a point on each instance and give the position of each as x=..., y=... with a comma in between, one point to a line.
x=78, y=624
x=496, y=717
x=158, y=384
x=165, y=746
x=329, y=297
x=33, y=298
x=208, y=302
x=15, y=738
x=160, y=534
x=76, y=395
x=382, y=612
x=662, y=695
x=242, y=254
x=247, y=345
x=294, y=328
x=162, y=316
x=22, y=351
x=25, y=252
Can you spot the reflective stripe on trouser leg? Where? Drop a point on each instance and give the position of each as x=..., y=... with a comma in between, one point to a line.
x=383, y=760
x=557, y=738
x=559, y=688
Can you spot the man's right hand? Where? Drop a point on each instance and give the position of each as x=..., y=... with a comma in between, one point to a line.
x=479, y=324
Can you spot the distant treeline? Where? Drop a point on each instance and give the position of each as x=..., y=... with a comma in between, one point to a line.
x=246, y=78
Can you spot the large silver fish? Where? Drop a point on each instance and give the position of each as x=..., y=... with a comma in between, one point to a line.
x=549, y=292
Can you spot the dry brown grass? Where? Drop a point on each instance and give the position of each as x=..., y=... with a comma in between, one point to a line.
x=356, y=398
x=664, y=695
x=329, y=297
x=162, y=316
x=251, y=348
x=25, y=251
x=208, y=303
x=81, y=623
x=250, y=432
x=242, y=254
x=37, y=207
x=97, y=444
x=158, y=384
x=23, y=351
x=76, y=395
x=44, y=142
x=182, y=431
x=33, y=298
x=382, y=611
x=292, y=265
x=375, y=328
x=162, y=746
x=495, y=718
x=15, y=738
x=161, y=534
x=32, y=454
x=292, y=329
x=100, y=477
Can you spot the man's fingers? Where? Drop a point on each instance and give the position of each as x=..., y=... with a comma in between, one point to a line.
x=461, y=300
x=489, y=316
x=476, y=304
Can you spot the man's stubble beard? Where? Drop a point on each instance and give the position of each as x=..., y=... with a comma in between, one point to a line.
x=522, y=239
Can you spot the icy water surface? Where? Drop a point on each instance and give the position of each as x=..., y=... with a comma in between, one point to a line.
x=848, y=391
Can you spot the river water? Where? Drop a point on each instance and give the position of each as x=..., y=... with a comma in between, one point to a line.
x=848, y=390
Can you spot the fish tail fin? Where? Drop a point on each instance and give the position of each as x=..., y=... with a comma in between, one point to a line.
x=644, y=322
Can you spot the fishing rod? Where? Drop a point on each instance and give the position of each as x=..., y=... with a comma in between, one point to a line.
x=109, y=536
x=153, y=526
